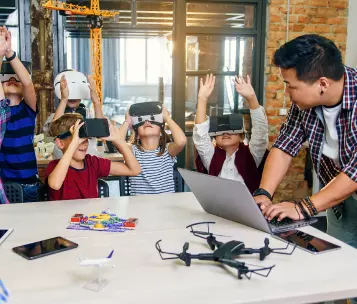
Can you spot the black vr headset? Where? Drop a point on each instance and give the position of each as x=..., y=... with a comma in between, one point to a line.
x=146, y=111
x=232, y=124
x=7, y=71
x=80, y=110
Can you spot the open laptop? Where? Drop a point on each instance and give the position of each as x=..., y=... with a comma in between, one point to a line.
x=232, y=200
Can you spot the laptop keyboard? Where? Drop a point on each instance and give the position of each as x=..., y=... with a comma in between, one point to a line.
x=283, y=222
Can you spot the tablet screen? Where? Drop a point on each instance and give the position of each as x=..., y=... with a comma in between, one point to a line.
x=307, y=242
x=45, y=247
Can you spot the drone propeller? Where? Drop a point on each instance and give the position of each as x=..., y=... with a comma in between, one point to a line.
x=184, y=255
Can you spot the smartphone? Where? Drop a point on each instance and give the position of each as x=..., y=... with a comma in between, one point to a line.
x=43, y=248
x=306, y=241
x=94, y=127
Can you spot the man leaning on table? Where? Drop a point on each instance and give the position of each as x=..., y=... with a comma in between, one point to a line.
x=323, y=112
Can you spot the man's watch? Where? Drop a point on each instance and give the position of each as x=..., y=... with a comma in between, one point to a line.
x=261, y=191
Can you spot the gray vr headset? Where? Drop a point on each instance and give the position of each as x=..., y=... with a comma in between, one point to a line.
x=7, y=71
x=232, y=124
x=146, y=111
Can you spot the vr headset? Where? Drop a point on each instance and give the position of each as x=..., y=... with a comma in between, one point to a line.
x=7, y=72
x=77, y=84
x=80, y=110
x=146, y=111
x=232, y=124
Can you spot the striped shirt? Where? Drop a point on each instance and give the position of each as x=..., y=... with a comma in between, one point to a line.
x=17, y=155
x=157, y=172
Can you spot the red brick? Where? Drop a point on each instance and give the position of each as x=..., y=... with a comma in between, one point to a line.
x=311, y=11
x=293, y=19
x=275, y=27
x=299, y=10
x=325, y=12
x=339, y=4
x=322, y=3
x=273, y=78
x=320, y=29
x=318, y=20
x=337, y=20
x=274, y=2
x=309, y=28
x=274, y=87
x=303, y=19
x=298, y=2
x=298, y=27
x=339, y=29
x=271, y=112
x=273, y=104
x=342, y=13
x=276, y=35
x=275, y=18
x=270, y=95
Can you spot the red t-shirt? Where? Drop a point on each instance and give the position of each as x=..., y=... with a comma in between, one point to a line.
x=80, y=183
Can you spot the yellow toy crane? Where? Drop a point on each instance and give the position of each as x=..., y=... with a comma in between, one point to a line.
x=95, y=16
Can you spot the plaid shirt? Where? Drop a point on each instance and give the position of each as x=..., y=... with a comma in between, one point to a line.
x=302, y=125
x=5, y=113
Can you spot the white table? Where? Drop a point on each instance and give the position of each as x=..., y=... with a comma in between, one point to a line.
x=140, y=276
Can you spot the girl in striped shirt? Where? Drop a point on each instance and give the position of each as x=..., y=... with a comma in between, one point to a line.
x=156, y=154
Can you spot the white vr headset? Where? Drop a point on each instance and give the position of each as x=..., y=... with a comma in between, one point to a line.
x=146, y=111
x=77, y=84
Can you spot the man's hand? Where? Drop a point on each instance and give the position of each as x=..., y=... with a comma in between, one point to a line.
x=283, y=210
x=93, y=90
x=64, y=89
x=262, y=201
x=206, y=88
x=76, y=140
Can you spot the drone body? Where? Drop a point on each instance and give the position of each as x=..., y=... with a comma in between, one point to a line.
x=225, y=253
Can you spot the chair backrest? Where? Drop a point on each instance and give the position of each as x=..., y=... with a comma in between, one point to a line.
x=179, y=183
x=103, y=188
x=14, y=192
x=124, y=186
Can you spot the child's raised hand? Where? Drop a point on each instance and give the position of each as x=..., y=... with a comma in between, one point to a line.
x=75, y=133
x=3, y=43
x=243, y=87
x=128, y=120
x=166, y=113
x=93, y=90
x=207, y=87
x=115, y=135
x=64, y=88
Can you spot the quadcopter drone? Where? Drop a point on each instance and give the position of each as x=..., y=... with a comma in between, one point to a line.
x=226, y=253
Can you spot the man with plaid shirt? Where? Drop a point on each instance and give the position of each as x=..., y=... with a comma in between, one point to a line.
x=323, y=112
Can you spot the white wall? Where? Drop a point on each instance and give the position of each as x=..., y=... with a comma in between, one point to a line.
x=351, y=51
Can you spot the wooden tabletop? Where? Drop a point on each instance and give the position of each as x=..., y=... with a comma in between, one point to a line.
x=140, y=276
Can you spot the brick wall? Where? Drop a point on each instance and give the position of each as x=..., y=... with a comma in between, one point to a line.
x=323, y=17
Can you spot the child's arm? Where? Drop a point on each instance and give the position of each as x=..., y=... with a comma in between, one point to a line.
x=21, y=72
x=2, y=95
x=131, y=167
x=259, y=140
x=201, y=139
x=98, y=113
x=178, y=135
x=64, y=98
x=58, y=175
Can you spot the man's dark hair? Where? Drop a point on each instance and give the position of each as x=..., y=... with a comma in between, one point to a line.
x=312, y=56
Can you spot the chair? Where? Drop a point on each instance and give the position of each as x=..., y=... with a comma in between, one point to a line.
x=103, y=188
x=44, y=192
x=14, y=192
x=124, y=186
x=179, y=183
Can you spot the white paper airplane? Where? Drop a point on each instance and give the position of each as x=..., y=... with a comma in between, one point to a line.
x=98, y=262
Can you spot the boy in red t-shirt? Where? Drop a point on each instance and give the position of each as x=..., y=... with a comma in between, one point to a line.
x=75, y=175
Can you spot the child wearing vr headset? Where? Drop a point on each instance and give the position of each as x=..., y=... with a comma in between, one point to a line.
x=230, y=158
x=71, y=87
x=76, y=174
x=152, y=147
x=17, y=156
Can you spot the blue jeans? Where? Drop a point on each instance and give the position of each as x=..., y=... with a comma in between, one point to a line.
x=31, y=192
x=345, y=228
